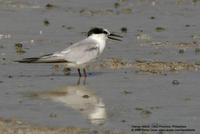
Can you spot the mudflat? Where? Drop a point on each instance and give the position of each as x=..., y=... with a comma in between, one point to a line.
x=150, y=78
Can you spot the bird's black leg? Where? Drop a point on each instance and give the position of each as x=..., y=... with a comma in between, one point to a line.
x=79, y=72
x=85, y=73
x=79, y=81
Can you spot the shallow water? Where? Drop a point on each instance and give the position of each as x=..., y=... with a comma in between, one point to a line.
x=127, y=98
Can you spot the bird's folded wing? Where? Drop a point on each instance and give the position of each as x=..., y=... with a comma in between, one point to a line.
x=81, y=52
x=50, y=58
x=78, y=53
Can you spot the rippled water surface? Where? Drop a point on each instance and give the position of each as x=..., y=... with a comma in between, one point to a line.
x=111, y=99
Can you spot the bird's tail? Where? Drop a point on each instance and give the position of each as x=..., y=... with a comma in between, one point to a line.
x=50, y=58
x=28, y=60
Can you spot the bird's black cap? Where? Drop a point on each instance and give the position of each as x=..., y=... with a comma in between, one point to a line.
x=97, y=30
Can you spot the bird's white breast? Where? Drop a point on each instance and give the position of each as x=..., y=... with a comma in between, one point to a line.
x=101, y=41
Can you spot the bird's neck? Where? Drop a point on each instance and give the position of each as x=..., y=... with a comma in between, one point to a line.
x=101, y=40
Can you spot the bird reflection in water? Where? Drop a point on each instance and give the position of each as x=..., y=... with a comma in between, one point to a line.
x=80, y=98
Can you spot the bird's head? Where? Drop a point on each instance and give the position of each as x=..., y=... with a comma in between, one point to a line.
x=104, y=33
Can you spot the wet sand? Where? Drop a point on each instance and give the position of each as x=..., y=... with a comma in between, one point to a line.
x=151, y=77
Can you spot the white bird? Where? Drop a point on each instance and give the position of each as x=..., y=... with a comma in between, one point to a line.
x=79, y=54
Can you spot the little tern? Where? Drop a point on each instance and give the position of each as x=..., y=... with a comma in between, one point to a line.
x=79, y=54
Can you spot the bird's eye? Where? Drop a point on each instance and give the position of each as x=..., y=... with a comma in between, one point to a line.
x=105, y=32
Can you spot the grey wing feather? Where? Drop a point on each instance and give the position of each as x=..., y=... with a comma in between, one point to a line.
x=50, y=58
x=78, y=53
x=81, y=52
